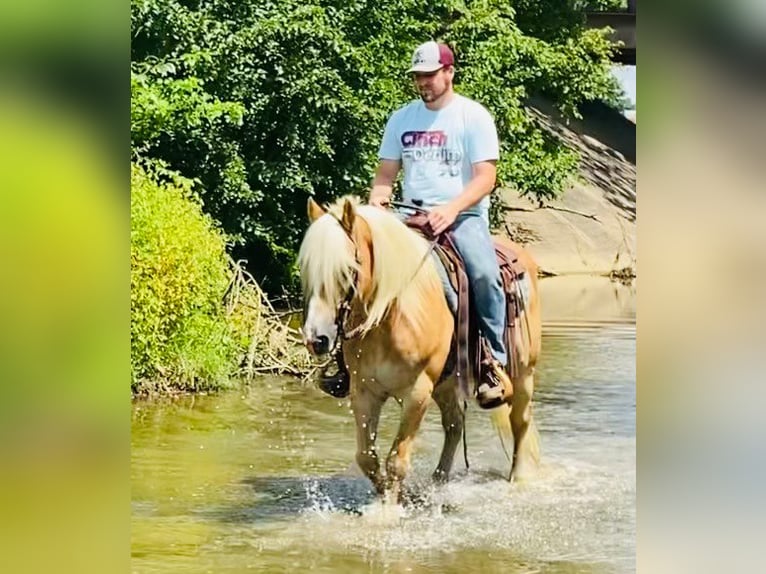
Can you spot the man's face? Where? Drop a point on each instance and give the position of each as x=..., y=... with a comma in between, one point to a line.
x=432, y=85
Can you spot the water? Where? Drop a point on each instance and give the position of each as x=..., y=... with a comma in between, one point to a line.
x=263, y=479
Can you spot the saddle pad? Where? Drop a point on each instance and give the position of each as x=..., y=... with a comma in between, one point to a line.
x=449, y=289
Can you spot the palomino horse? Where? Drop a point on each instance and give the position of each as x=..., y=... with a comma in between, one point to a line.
x=366, y=258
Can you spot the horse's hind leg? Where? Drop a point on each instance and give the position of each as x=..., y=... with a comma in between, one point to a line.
x=526, y=449
x=414, y=407
x=445, y=396
x=366, y=407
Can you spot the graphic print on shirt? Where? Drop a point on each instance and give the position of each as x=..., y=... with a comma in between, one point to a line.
x=428, y=153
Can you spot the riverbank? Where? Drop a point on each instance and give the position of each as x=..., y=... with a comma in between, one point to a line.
x=581, y=299
x=591, y=229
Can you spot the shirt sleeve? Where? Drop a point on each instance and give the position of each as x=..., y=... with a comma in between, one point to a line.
x=390, y=147
x=483, y=144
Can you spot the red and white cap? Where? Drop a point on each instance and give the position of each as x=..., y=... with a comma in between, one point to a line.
x=431, y=56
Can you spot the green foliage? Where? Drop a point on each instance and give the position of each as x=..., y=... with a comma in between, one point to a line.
x=266, y=103
x=602, y=5
x=179, y=274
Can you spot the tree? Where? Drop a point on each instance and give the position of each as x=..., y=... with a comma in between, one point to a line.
x=267, y=103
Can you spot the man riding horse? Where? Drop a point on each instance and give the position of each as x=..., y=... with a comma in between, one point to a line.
x=448, y=147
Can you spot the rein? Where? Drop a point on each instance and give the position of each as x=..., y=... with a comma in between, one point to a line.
x=421, y=211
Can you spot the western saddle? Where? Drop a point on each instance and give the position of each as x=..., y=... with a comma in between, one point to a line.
x=470, y=352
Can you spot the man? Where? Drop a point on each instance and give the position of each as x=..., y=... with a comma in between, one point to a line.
x=448, y=147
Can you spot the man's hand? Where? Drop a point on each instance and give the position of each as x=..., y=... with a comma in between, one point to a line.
x=379, y=201
x=442, y=217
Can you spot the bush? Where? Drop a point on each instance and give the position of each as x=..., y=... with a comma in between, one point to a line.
x=180, y=336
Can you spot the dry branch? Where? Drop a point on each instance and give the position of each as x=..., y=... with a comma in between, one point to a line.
x=554, y=208
x=274, y=346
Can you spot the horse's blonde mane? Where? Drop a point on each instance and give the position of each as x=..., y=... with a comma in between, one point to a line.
x=403, y=274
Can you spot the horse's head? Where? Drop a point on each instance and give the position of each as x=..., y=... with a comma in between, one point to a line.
x=363, y=258
x=334, y=261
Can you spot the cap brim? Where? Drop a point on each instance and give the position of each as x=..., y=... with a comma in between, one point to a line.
x=425, y=68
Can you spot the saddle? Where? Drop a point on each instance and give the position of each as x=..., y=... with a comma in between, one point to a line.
x=469, y=350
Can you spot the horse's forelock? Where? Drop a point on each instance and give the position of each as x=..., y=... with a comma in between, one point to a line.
x=326, y=260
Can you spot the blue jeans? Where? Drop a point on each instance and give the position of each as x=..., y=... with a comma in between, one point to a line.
x=470, y=234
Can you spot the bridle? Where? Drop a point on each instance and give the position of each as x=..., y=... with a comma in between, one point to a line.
x=344, y=307
x=339, y=382
x=340, y=378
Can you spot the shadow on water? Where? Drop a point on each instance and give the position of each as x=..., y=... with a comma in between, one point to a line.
x=285, y=497
x=280, y=497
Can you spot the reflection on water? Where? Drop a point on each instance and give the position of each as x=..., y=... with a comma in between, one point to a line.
x=263, y=479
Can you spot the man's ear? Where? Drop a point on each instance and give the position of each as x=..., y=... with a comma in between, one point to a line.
x=314, y=210
x=348, y=216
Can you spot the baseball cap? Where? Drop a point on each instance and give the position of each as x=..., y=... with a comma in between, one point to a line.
x=431, y=56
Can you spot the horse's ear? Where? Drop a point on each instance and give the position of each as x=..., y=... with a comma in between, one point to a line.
x=314, y=210
x=348, y=216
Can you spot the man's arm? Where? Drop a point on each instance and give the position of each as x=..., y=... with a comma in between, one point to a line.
x=383, y=183
x=484, y=174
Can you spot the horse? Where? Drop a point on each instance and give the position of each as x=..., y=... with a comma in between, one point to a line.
x=396, y=332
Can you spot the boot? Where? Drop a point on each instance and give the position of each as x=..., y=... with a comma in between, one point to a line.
x=495, y=387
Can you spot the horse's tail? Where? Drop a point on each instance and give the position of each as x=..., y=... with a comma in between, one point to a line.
x=533, y=441
x=501, y=419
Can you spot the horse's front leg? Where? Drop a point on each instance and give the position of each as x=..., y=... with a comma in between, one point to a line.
x=366, y=407
x=414, y=406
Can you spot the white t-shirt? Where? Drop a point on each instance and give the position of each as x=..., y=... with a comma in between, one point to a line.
x=437, y=148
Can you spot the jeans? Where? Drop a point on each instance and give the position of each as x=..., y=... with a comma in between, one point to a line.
x=470, y=234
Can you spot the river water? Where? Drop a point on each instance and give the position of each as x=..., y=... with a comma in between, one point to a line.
x=263, y=479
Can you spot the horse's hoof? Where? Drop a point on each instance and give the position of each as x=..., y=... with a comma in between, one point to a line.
x=522, y=473
x=440, y=476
